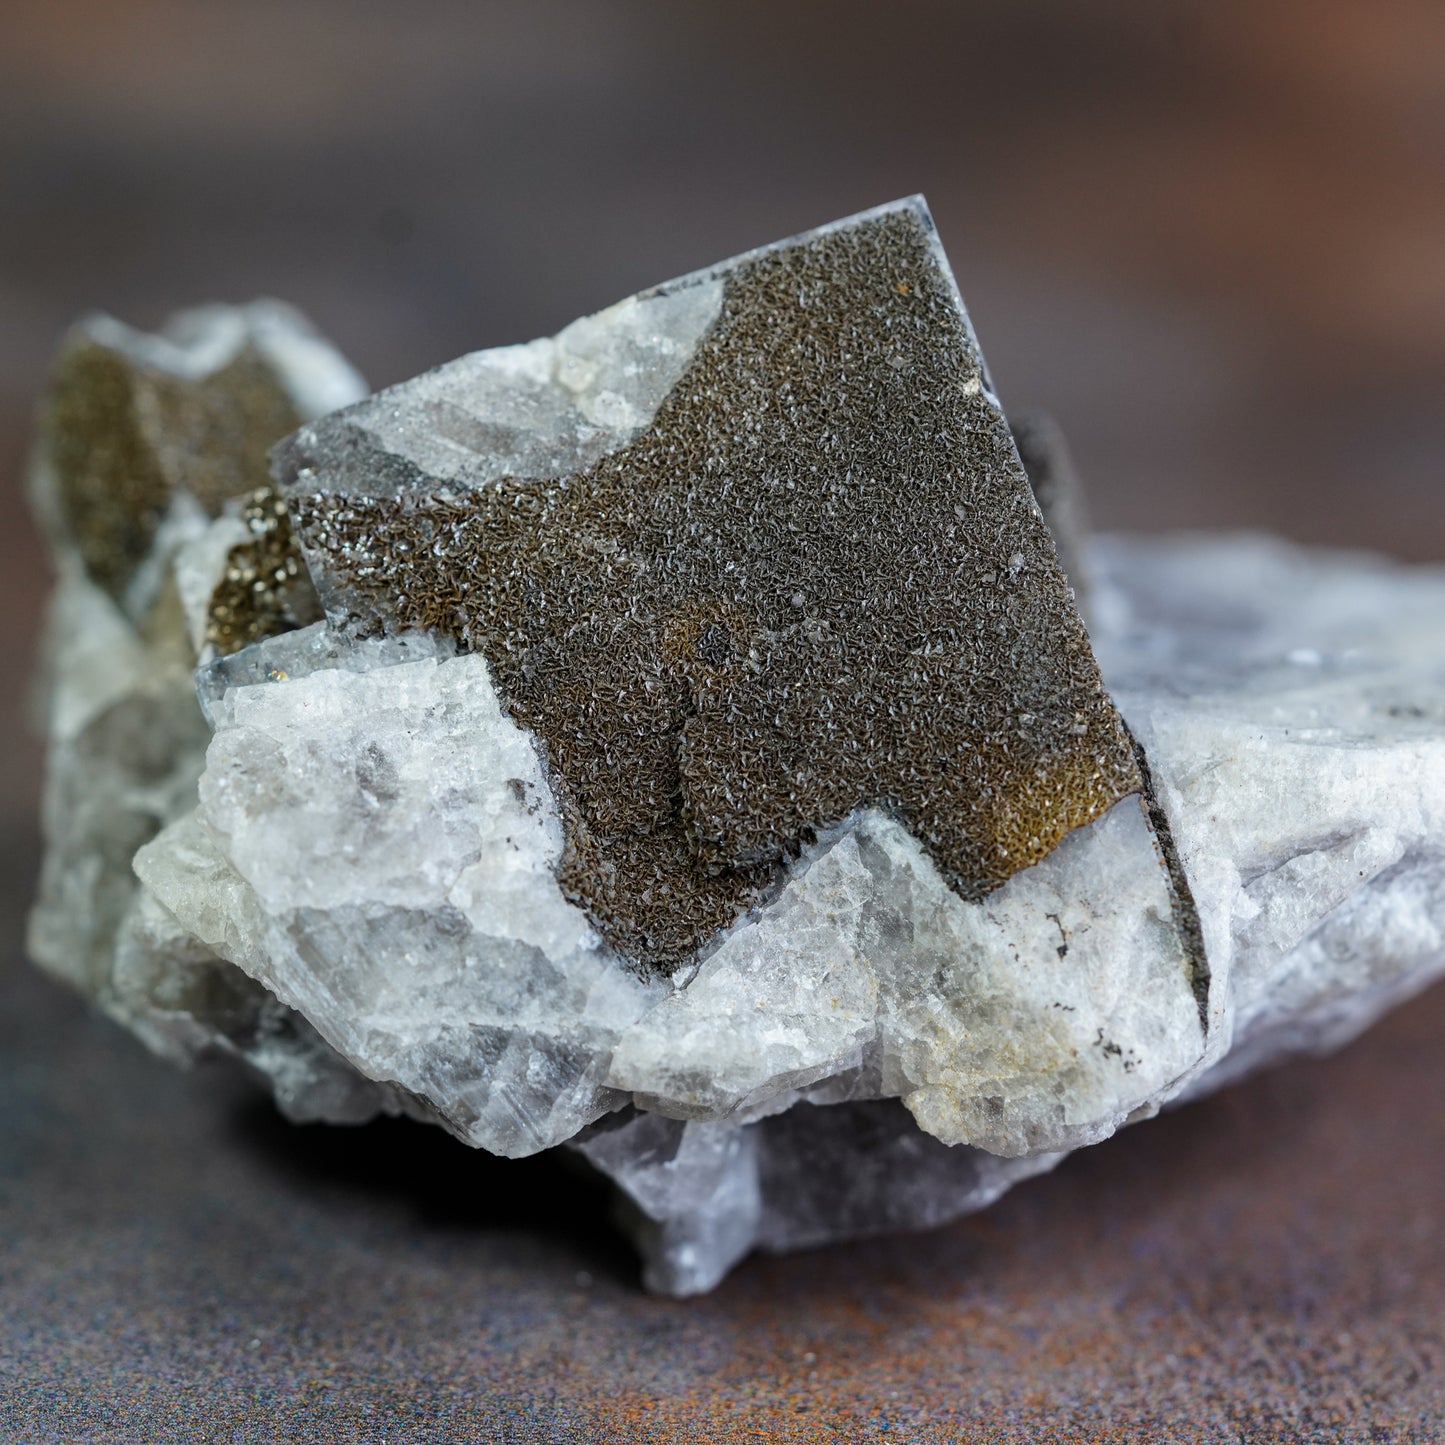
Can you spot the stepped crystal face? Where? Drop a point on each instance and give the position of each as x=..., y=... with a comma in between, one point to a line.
x=677, y=739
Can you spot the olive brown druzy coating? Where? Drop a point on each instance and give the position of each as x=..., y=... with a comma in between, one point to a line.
x=813, y=579
x=124, y=433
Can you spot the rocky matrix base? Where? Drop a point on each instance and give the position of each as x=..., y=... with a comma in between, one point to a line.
x=678, y=741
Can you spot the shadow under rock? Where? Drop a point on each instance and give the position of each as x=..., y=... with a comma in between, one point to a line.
x=1284, y=1147
x=1275, y=1168
x=445, y=1184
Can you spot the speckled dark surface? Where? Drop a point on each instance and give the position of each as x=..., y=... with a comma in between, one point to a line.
x=177, y=1264
x=815, y=582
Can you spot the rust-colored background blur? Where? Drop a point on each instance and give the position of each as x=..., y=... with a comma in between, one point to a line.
x=1209, y=237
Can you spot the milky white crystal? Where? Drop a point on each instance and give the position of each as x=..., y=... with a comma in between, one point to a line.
x=376, y=848
x=997, y=1022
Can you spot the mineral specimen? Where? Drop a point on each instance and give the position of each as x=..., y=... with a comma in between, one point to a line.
x=677, y=740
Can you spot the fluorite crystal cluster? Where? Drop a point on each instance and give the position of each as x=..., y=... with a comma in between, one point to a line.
x=678, y=740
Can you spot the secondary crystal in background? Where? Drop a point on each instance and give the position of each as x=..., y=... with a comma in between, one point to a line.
x=149, y=448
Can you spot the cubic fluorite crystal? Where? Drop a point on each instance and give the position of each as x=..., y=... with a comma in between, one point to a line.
x=677, y=739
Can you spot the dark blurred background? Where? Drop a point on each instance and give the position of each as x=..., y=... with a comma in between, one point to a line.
x=1209, y=238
